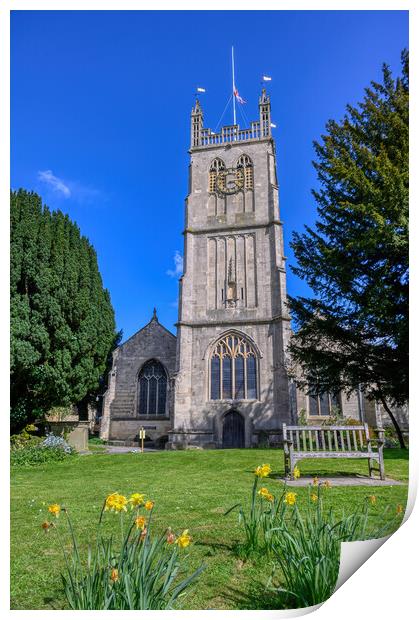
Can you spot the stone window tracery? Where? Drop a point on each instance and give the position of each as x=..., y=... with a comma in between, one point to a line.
x=233, y=369
x=152, y=389
x=216, y=166
x=245, y=165
x=323, y=404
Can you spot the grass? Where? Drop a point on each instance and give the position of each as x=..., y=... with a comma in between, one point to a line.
x=192, y=490
x=96, y=445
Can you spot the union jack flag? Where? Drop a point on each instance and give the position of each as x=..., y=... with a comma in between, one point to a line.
x=237, y=96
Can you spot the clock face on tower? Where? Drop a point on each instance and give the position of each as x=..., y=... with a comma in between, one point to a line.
x=230, y=181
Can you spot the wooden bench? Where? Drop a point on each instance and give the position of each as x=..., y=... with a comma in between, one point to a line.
x=330, y=442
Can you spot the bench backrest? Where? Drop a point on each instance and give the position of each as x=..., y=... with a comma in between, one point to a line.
x=328, y=438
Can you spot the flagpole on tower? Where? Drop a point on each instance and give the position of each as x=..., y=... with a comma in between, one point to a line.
x=234, y=87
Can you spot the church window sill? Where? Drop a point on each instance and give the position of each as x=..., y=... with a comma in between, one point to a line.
x=153, y=417
x=232, y=401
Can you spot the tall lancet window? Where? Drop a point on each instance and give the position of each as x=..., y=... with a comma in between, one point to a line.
x=152, y=389
x=233, y=369
x=216, y=167
x=245, y=164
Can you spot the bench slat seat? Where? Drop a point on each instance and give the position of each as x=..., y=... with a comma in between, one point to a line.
x=326, y=428
x=331, y=442
x=335, y=455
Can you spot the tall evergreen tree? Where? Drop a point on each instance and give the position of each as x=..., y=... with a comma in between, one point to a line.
x=62, y=320
x=354, y=331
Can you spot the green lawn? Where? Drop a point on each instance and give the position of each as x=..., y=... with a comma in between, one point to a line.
x=95, y=446
x=191, y=489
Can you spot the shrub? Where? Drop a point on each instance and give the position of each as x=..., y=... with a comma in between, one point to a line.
x=352, y=422
x=19, y=414
x=335, y=417
x=35, y=450
x=141, y=572
x=56, y=442
x=302, y=418
x=24, y=438
x=60, y=413
x=18, y=442
x=390, y=442
x=390, y=438
x=96, y=441
x=37, y=455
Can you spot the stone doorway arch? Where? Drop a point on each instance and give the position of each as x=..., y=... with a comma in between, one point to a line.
x=233, y=430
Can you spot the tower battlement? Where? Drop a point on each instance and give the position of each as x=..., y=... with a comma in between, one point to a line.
x=205, y=137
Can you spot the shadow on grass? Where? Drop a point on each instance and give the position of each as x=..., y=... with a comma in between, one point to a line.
x=272, y=476
x=214, y=545
x=52, y=603
x=396, y=454
x=324, y=473
x=257, y=596
x=236, y=548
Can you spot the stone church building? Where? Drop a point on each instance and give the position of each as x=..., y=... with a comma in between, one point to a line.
x=222, y=381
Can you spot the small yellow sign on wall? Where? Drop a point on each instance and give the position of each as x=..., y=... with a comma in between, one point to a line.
x=141, y=436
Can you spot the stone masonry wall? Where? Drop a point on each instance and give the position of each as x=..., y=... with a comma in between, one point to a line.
x=120, y=414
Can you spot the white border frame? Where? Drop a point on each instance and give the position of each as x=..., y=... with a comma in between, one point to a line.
x=362, y=590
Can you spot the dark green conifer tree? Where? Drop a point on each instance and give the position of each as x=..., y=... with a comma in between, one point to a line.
x=354, y=330
x=62, y=320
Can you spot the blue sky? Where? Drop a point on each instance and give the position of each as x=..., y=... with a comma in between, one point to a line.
x=100, y=119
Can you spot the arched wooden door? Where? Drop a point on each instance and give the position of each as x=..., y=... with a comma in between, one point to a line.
x=233, y=430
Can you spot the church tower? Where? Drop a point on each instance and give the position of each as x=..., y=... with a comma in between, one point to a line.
x=231, y=385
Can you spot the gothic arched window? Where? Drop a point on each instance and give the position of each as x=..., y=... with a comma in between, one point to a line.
x=245, y=164
x=233, y=369
x=216, y=166
x=152, y=389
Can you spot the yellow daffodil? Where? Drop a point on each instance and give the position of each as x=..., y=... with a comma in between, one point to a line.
x=109, y=502
x=114, y=575
x=263, y=492
x=290, y=498
x=136, y=499
x=262, y=471
x=399, y=509
x=327, y=484
x=54, y=509
x=372, y=499
x=140, y=523
x=149, y=504
x=184, y=539
x=116, y=502
x=314, y=497
x=315, y=481
x=297, y=473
